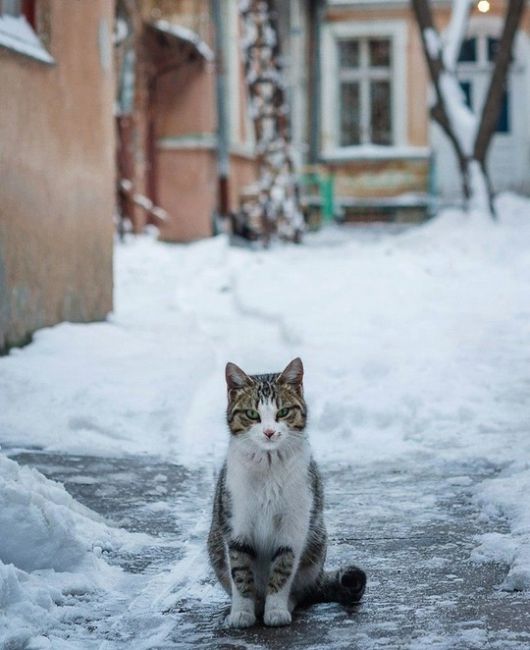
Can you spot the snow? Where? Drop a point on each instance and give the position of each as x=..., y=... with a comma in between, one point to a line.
x=185, y=34
x=40, y=522
x=507, y=495
x=415, y=344
x=463, y=121
x=16, y=34
x=50, y=547
x=455, y=33
x=479, y=188
x=434, y=45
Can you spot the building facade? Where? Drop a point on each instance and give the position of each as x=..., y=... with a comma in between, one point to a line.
x=174, y=128
x=57, y=164
x=360, y=95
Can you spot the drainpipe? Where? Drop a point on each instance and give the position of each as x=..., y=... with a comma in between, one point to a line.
x=223, y=156
x=316, y=15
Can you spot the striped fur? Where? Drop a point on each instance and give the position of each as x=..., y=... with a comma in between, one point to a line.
x=267, y=541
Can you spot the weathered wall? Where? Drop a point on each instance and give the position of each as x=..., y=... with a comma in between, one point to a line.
x=382, y=178
x=187, y=190
x=187, y=183
x=57, y=171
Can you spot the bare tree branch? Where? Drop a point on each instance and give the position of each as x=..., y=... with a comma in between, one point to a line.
x=424, y=18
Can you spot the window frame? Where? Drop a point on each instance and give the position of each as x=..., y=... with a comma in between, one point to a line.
x=332, y=33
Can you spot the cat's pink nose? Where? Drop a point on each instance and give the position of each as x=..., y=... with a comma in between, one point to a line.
x=269, y=432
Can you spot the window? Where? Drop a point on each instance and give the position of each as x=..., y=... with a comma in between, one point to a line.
x=17, y=29
x=466, y=87
x=365, y=77
x=477, y=55
x=468, y=51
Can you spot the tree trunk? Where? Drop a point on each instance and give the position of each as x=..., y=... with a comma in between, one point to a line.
x=273, y=208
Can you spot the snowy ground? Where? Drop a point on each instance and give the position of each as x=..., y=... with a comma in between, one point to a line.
x=416, y=348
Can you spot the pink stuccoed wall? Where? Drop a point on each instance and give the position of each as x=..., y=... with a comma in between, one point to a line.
x=57, y=174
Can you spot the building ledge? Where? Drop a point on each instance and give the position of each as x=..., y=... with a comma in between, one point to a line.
x=193, y=141
x=375, y=152
x=203, y=141
x=408, y=200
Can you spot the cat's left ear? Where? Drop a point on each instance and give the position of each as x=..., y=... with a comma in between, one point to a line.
x=235, y=377
x=293, y=373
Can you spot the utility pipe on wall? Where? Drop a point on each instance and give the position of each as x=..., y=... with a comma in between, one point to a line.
x=223, y=155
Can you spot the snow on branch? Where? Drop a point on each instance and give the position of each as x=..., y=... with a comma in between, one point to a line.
x=463, y=120
x=455, y=33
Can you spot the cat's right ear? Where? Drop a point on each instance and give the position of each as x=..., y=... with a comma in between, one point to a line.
x=235, y=377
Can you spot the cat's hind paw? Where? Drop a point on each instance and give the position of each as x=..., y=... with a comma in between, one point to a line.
x=240, y=619
x=277, y=617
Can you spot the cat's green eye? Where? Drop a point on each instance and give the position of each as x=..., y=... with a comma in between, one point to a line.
x=252, y=414
x=283, y=412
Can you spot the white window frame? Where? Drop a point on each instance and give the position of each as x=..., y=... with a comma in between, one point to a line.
x=17, y=34
x=332, y=33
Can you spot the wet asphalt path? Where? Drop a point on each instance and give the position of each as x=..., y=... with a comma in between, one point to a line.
x=411, y=528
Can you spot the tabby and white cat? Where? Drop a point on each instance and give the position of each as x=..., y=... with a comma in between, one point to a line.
x=267, y=542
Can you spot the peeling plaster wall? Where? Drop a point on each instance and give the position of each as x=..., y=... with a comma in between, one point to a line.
x=57, y=170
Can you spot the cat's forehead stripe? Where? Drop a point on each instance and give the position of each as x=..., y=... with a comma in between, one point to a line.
x=266, y=388
x=266, y=379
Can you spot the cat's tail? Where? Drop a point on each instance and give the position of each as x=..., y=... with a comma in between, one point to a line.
x=345, y=586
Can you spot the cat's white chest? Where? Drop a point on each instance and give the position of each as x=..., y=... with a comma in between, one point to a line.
x=271, y=503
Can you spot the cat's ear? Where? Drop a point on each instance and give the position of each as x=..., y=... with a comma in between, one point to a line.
x=235, y=377
x=293, y=373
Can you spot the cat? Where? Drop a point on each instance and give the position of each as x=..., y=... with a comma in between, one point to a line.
x=267, y=541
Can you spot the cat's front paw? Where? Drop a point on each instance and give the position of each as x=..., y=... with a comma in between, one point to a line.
x=240, y=618
x=277, y=617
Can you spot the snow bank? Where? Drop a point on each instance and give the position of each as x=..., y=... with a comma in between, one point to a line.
x=507, y=495
x=26, y=606
x=17, y=34
x=414, y=344
x=42, y=526
x=49, y=546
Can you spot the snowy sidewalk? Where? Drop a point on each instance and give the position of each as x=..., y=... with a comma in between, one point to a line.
x=412, y=528
x=416, y=349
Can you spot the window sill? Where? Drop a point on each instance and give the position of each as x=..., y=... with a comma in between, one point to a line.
x=375, y=152
x=18, y=36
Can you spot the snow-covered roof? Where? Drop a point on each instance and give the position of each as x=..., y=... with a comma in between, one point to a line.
x=16, y=34
x=184, y=34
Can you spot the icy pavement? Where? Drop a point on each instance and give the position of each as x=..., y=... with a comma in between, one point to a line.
x=411, y=527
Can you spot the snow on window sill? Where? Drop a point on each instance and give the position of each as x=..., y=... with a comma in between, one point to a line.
x=16, y=34
x=375, y=152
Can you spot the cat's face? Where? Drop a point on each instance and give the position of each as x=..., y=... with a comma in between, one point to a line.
x=267, y=411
